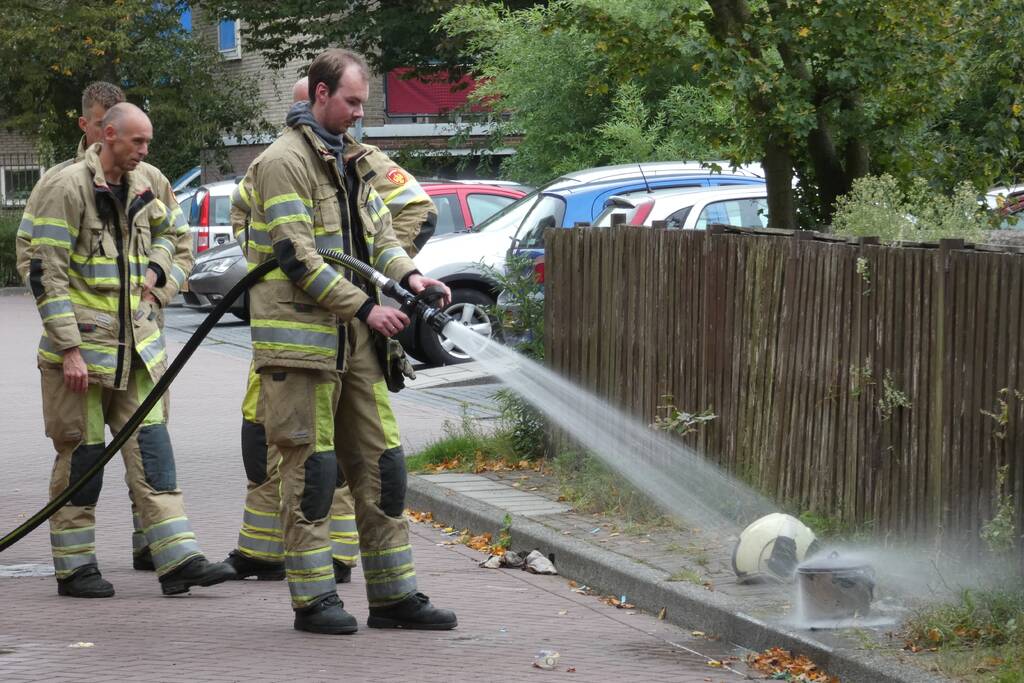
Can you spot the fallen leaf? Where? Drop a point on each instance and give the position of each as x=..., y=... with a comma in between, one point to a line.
x=562, y=612
x=571, y=670
x=82, y=645
x=697, y=634
x=715, y=663
x=661, y=614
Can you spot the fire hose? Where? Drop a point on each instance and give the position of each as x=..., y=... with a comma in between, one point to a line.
x=411, y=304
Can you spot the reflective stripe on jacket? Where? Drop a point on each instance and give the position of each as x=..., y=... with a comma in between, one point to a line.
x=88, y=261
x=299, y=204
x=161, y=188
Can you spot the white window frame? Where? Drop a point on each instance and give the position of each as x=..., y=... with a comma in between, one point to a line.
x=236, y=51
x=4, y=201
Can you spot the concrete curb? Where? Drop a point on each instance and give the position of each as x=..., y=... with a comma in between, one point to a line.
x=13, y=291
x=686, y=605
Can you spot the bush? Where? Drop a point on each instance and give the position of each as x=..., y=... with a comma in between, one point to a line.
x=8, y=229
x=592, y=487
x=878, y=206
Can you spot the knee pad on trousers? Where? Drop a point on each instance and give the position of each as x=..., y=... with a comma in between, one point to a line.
x=392, y=481
x=157, y=457
x=318, y=491
x=254, y=451
x=82, y=459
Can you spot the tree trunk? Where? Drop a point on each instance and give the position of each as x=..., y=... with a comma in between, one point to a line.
x=778, y=170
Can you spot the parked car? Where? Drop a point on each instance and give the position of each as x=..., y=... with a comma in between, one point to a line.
x=189, y=180
x=209, y=215
x=467, y=262
x=220, y=262
x=745, y=207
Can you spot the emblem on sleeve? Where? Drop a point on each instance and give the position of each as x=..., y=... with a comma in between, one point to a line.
x=397, y=176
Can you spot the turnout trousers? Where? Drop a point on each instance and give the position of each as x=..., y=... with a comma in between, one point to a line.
x=260, y=536
x=360, y=434
x=75, y=423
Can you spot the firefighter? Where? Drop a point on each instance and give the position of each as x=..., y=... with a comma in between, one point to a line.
x=97, y=98
x=260, y=552
x=103, y=240
x=322, y=389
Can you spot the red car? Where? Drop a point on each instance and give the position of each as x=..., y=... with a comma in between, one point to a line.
x=463, y=204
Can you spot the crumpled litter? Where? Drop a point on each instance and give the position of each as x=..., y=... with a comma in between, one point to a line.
x=535, y=562
x=546, y=659
x=82, y=644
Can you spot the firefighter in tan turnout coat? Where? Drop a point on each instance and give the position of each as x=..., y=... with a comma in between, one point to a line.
x=102, y=240
x=322, y=386
x=260, y=549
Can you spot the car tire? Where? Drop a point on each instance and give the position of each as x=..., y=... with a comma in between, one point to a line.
x=468, y=306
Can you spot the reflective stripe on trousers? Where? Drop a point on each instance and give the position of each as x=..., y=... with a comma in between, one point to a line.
x=72, y=549
x=310, y=575
x=344, y=539
x=172, y=543
x=261, y=537
x=390, y=575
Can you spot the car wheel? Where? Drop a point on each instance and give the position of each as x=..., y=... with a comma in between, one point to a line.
x=469, y=307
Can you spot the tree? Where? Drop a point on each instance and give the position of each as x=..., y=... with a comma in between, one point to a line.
x=821, y=93
x=390, y=34
x=137, y=44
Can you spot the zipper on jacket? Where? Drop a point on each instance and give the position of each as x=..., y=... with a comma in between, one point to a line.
x=121, y=270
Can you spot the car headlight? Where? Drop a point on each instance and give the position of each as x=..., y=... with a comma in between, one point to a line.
x=216, y=266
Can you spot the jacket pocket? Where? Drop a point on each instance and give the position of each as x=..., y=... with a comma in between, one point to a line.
x=326, y=210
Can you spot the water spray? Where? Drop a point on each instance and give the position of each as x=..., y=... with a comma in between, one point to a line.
x=411, y=304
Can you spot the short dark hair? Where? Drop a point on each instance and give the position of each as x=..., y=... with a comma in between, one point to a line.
x=330, y=65
x=102, y=93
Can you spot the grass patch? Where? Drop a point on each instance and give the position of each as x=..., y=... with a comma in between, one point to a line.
x=978, y=637
x=461, y=447
x=591, y=487
x=687, y=575
x=835, y=529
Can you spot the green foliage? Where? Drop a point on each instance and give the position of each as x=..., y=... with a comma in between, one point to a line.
x=1000, y=532
x=982, y=632
x=1002, y=416
x=505, y=533
x=522, y=321
x=669, y=418
x=835, y=529
x=8, y=230
x=591, y=487
x=892, y=397
x=137, y=44
x=592, y=82
x=522, y=425
x=880, y=206
x=465, y=442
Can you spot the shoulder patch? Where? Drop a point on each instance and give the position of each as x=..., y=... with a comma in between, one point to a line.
x=397, y=176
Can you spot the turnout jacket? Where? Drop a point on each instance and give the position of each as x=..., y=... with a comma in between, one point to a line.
x=161, y=188
x=87, y=264
x=413, y=214
x=300, y=202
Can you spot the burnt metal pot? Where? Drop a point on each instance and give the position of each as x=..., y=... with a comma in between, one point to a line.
x=834, y=587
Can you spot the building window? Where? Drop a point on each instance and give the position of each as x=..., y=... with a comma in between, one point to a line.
x=228, y=39
x=16, y=183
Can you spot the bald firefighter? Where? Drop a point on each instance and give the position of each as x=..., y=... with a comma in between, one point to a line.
x=103, y=240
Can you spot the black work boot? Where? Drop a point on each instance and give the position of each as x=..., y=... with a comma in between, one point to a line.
x=143, y=561
x=325, y=615
x=86, y=582
x=342, y=572
x=196, y=572
x=415, y=612
x=246, y=566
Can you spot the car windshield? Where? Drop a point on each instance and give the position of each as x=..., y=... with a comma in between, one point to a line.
x=547, y=213
x=513, y=214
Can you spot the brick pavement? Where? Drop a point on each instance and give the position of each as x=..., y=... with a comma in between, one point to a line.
x=242, y=631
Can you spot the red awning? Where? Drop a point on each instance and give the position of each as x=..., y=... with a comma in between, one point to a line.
x=427, y=95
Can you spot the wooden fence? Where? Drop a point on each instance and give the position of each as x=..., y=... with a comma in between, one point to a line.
x=847, y=379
